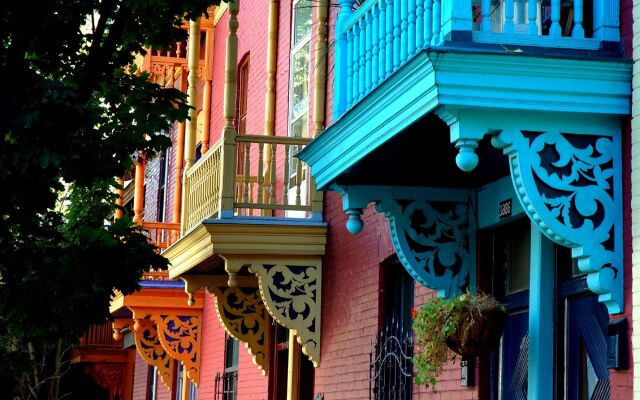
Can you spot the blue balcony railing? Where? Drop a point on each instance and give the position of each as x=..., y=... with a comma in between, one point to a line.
x=379, y=36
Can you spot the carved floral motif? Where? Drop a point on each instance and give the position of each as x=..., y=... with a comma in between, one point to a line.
x=569, y=185
x=243, y=315
x=291, y=294
x=179, y=335
x=151, y=350
x=109, y=376
x=432, y=240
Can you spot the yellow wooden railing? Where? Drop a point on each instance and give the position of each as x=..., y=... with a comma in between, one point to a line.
x=202, y=188
x=281, y=181
x=269, y=180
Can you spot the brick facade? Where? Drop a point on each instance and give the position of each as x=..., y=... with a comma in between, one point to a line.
x=631, y=34
x=351, y=269
x=140, y=379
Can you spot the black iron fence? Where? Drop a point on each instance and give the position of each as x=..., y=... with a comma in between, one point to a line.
x=226, y=387
x=390, y=363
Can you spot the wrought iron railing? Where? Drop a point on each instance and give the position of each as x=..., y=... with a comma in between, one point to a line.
x=390, y=363
x=226, y=386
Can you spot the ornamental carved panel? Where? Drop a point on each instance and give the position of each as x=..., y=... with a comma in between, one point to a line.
x=570, y=186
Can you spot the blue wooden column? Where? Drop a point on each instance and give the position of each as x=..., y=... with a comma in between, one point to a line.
x=341, y=65
x=541, y=297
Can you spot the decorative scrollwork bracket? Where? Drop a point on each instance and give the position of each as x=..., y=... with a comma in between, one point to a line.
x=151, y=350
x=180, y=335
x=433, y=232
x=240, y=310
x=570, y=185
x=290, y=290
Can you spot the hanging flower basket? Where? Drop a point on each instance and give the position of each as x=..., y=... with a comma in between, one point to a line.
x=477, y=332
x=471, y=325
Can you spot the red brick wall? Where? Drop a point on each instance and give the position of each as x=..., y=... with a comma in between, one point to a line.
x=622, y=381
x=350, y=309
x=349, y=302
x=251, y=383
x=140, y=379
x=211, y=349
x=162, y=391
x=252, y=41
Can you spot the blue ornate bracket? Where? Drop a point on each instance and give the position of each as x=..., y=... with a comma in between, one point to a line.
x=433, y=231
x=570, y=185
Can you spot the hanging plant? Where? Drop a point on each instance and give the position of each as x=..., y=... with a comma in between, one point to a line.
x=470, y=325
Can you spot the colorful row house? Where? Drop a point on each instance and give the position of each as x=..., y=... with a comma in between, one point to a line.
x=345, y=161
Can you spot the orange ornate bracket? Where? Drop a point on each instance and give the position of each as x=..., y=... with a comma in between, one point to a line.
x=151, y=350
x=164, y=327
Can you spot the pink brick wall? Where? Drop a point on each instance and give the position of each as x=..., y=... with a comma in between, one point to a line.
x=350, y=309
x=212, y=349
x=252, y=385
x=622, y=381
x=140, y=379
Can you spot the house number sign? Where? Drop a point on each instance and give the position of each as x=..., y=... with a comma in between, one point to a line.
x=504, y=209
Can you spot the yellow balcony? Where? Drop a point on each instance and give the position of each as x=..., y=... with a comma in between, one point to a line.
x=252, y=233
x=269, y=181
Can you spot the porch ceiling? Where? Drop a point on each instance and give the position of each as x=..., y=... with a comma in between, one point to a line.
x=423, y=156
x=464, y=82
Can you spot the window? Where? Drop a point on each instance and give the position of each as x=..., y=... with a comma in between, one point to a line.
x=226, y=386
x=241, y=109
x=300, y=69
x=299, y=81
x=162, y=185
x=152, y=383
x=179, y=382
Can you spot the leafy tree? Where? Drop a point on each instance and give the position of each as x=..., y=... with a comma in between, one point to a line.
x=73, y=111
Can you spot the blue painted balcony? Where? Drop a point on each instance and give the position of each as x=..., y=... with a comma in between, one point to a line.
x=376, y=39
x=461, y=117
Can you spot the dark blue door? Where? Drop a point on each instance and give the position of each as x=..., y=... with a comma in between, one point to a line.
x=514, y=351
x=587, y=373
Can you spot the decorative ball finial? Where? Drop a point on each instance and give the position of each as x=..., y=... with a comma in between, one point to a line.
x=354, y=223
x=466, y=159
x=117, y=335
x=232, y=280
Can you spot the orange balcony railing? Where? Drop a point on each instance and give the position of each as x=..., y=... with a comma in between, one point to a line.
x=162, y=234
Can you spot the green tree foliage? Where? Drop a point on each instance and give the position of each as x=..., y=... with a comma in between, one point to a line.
x=73, y=112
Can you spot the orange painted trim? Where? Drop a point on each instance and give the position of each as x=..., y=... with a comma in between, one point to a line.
x=160, y=300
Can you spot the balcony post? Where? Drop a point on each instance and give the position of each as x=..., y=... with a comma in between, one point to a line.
x=138, y=194
x=606, y=20
x=228, y=162
x=206, y=99
x=270, y=96
x=192, y=93
x=272, y=55
x=292, y=370
x=120, y=200
x=177, y=188
x=341, y=49
x=320, y=75
x=456, y=16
